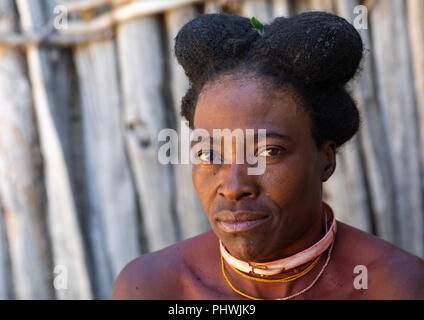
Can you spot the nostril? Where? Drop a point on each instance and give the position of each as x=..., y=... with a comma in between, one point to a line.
x=235, y=195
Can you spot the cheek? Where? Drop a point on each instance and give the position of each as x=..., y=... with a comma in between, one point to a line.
x=197, y=179
x=290, y=180
x=203, y=183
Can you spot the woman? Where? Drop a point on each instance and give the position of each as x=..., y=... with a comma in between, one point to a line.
x=272, y=235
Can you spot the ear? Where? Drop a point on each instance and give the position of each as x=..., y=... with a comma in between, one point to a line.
x=328, y=160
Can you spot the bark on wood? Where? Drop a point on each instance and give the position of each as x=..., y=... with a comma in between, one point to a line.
x=68, y=249
x=144, y=112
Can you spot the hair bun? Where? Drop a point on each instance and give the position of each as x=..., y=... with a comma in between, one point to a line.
x=312, y=48
x=211, y=38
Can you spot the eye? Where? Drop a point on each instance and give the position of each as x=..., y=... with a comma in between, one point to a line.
x=208, y=156
x=270, y=152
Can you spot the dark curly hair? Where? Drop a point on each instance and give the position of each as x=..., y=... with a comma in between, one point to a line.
x=316, y=53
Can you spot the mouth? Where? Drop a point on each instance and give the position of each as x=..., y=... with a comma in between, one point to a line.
x=240, y=221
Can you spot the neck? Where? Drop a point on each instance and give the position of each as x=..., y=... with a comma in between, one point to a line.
x=310, y=235
x=307, y=249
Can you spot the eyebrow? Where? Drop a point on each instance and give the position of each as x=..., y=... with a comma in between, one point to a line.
x=269, y=134
x=274, y=134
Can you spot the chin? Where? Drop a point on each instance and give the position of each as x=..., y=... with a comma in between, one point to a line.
x=244, y=249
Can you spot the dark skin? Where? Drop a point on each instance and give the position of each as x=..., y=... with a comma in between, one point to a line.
x=289, y=192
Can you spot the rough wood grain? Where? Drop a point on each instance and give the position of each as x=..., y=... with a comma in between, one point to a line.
x=124, y=13
x=374, y=144
x=142, y=78
x=190, y=212
x=346, y=190
x=62, y=218
x=22, y=194
x=92, y=206
x=396, y=97
x=111, y=199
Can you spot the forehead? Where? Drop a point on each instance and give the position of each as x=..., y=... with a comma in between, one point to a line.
x=251, y=104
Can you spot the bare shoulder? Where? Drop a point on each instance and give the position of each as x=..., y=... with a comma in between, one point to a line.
x=145, y=276
x=397, y=275
x=392, y=272
x=158, y=275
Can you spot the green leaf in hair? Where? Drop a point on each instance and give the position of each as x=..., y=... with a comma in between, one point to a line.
x=257, y=25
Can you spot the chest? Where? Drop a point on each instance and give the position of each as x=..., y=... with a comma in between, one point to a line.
x=329, y=287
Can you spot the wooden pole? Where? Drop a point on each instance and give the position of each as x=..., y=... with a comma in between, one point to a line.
x=84, y=5
x=396, y=94
x=124, y=13
x=322, y=5
x=281, y=8
x=22, y=194
x=346, y=189
x=416, y=38
x=111, y=197
x=302, y=5
x=211, y=6
x=258, y=8
x=142, y=79
x=112, y=200
x=63, y=224
x=190, y=212
x=374, y=145
x=6, y=290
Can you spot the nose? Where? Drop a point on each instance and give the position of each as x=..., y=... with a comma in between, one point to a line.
x=236, y=184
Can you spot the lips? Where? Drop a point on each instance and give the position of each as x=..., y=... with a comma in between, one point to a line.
x=240, y=221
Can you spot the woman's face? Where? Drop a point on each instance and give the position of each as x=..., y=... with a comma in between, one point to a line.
x=286, y=198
